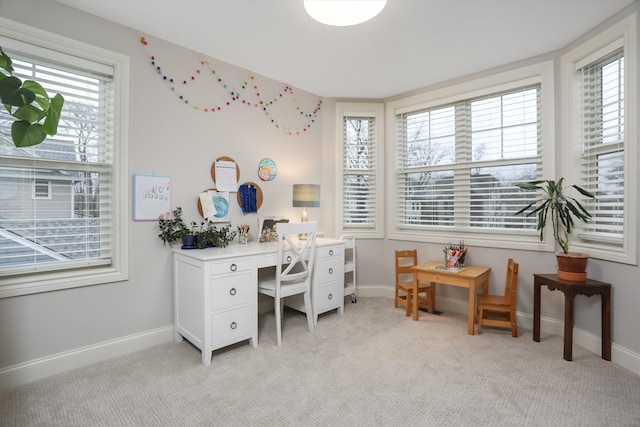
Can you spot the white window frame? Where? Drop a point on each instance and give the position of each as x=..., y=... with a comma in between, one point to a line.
x=542, y=73
x=41, y=183
x=370, y=110
x=624, y=33
x=29, y=283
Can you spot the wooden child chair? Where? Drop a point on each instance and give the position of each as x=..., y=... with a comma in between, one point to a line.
x=406, y=259
x=500, y=310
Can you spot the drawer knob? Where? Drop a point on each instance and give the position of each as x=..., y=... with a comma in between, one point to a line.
x=330, y=296
x=232, y=291
x=330, y=251
x=233, y=267
x=331, y=271
x=233, y=325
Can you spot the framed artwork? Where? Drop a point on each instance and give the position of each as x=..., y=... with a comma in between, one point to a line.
x=268, y=227
x=151, y=197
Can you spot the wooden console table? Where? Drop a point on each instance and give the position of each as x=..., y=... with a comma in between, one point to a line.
x=570, y=290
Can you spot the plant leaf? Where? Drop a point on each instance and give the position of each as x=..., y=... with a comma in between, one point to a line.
x=25, y=134
x=13, y=93
x=53, y=115
x=584, y=192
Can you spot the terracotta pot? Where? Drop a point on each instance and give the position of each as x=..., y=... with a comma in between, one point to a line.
x=572, y=266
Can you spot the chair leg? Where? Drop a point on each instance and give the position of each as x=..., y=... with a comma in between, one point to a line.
x=278, y=311
x=514, y=324
x=409, y=302
x=311, y=320
x=480, y=314
x=395, y=299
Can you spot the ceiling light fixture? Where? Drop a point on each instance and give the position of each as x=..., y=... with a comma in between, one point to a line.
x=342, y=13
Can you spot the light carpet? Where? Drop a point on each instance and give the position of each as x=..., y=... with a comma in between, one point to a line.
x=371, y=366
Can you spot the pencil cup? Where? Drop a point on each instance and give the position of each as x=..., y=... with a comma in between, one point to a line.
x=243, y=237
x=454, y=260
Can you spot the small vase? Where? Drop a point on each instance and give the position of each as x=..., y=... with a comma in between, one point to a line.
x=243, y=238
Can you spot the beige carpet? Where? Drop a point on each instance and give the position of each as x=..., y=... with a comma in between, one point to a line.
x=370, y=367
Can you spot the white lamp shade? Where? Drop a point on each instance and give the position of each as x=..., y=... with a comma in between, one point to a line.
x=306, y=196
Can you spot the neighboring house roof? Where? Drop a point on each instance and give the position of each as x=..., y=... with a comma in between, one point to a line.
x=54, y=240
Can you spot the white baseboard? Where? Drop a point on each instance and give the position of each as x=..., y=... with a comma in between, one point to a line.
x=40, y=368
x=619, y=355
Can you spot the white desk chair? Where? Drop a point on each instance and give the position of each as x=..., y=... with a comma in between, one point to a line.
x=294, y=268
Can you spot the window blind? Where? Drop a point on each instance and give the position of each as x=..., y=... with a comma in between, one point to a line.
x=458, y=165
x=71, y=227
x=602, y=146
x=359, y=184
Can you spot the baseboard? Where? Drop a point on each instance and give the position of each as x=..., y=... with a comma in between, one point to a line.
x=41, y=368
x=44, y=367
x=619, y=355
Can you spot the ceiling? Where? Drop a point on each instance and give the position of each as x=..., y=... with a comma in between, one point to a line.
x=410, y=45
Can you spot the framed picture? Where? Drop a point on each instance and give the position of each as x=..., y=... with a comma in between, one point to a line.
x=268, y=227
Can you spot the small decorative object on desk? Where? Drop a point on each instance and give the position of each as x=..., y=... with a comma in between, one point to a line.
x=243, y=234
x=454, y=255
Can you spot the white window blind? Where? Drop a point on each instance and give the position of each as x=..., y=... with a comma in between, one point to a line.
x=359, y=184
x=72, y=227
x=602, y=146
x=457, y=165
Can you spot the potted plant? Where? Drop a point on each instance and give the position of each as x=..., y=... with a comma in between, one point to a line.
x=36, y=114
x=564, y=211
x=223, y=236
x=173, y=228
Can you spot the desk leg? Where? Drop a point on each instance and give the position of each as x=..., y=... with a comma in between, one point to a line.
x=568, y=326
x=433, y=297
x=472, y=307
x=536, y=311
x=606, y=325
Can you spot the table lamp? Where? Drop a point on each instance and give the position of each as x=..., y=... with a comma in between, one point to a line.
x=306, y=196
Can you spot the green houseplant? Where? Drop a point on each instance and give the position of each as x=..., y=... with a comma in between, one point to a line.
x=36, y=114
x=172, y=228
x=563, y=211
x=201, y=235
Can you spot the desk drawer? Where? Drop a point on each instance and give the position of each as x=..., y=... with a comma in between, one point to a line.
x=327, y=270
x=232, y=265
x=231, y=326
x=328, y=297
x=231, y=290
x=330, y=251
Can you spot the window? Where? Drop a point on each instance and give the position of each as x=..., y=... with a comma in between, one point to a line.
x=71, y=231
x=360, y=184
x=602, y=75
x=458, y=159
x=41, y=189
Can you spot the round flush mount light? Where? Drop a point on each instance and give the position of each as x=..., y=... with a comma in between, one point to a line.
x=342, y=13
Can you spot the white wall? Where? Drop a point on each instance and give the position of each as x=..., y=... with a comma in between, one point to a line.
x=167, y=138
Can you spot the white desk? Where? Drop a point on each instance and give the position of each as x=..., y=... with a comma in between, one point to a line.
x=216, y=291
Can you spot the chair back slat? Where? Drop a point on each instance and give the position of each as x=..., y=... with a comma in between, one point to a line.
x=300, y=267
x=511, y=283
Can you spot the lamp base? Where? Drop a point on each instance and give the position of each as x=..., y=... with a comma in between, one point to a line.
x=303, y=218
